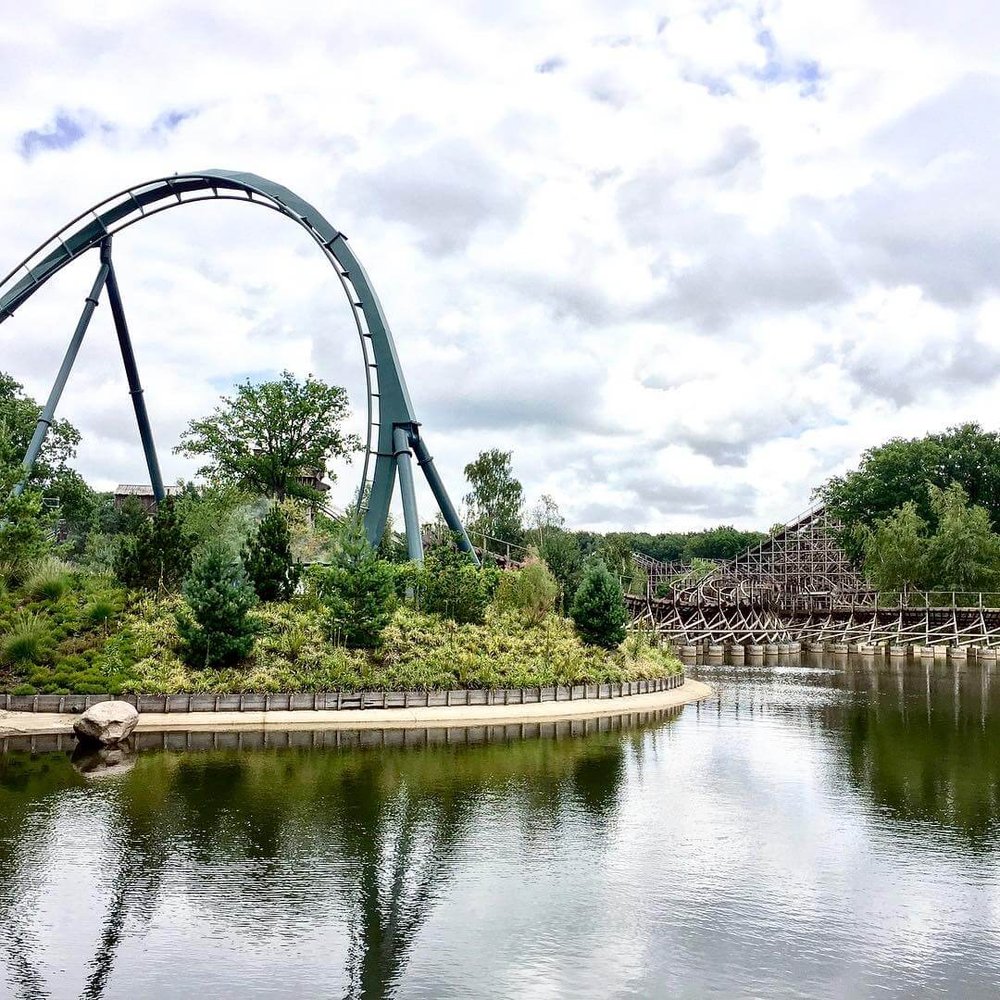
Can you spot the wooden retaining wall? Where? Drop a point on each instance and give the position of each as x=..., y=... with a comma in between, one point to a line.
x=336, y=700
x=310, y=739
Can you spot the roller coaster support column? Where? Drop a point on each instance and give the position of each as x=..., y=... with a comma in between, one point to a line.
x=48, y=413
x=401, y=453
x=132, y=372
x=441, y=495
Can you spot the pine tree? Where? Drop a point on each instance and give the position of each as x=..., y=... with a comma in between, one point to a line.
x=598, y=609
x=158, y=556
x=217, y=631
x=268, y=560
x=357, y=590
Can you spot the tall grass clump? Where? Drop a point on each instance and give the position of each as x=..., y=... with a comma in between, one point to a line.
x=47, y=579
x=25, y=639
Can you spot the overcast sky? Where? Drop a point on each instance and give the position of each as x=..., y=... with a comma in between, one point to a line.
x=686, y=260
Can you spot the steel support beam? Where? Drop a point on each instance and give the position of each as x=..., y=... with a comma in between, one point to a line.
x=132, y=373
x=441, y=495
x=401, y=453
x=49, y=411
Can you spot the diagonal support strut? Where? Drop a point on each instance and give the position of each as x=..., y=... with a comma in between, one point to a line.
x=132, y=373
x=49, y=410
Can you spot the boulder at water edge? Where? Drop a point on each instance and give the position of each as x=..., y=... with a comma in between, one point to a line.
x=106, y=723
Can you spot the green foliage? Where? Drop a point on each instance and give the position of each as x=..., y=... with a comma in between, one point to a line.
x=964, y=553
x=48, y=579
x=895, y=550
x=496, y=498
x=158, y=556
x=26, y=638
x=722, y=542
x=453, y=586
x=900, y=471
x=531, y=590
x=218, y=629
x=218, y=512
x=598, y=609
x=267, y=558
x=270, y=436
x=560, y=550
x=18, y=418
x=357, y=590
x=23, y=529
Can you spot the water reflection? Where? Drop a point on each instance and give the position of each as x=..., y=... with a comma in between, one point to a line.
x=818, y=829
x=275, y=843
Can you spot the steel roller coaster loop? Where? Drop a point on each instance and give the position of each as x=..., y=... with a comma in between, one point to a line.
x=394, y=436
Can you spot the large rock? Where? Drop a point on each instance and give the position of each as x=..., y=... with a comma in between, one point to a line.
x=107, y=723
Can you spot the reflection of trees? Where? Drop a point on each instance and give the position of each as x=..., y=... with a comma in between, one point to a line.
x=927, y=747
x=27, y=788
x=388, y=822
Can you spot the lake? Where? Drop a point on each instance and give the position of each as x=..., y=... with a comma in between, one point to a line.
x=811, y=831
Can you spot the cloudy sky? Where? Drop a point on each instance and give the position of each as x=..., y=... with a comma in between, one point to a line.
x=684, y=260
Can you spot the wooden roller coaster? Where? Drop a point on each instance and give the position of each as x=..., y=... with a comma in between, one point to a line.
x=798, y=586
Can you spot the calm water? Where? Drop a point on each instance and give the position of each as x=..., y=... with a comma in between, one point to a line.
x=809, y=833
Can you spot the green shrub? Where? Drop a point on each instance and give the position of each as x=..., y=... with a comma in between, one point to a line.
x=218, y=629
x=454, y=586
x=100, y=611
x=357, y=590
x=26, y=639
x=267, y=558
x=598, y=609
x=47, y=580
x=531, y=590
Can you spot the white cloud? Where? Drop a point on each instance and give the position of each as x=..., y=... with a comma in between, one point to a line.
x=685, y=267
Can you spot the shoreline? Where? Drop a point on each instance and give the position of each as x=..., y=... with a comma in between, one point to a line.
x=32, y=723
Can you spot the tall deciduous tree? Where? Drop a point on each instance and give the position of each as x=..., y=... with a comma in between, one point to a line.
x=495, y=501
x=899, y=471
x=18, y=418
x=271, y=436
x=545, y=517
x=964, y=552
x=896, y=550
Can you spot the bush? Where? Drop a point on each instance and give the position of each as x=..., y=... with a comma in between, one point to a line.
x=220, y=598
x=455, y=587
x=357, y=590
x=267, y=557
x=26, y=640
x=598, y=609
x=531, y=590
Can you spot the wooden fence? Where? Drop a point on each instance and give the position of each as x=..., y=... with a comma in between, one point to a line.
x=356, y=739
x=337, y=700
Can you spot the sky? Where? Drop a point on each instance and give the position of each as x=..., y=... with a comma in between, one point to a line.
x=684, y=261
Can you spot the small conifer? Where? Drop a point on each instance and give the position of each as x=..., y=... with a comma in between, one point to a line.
x=267, y=558
x=357, y=590
x=598, y=609
x=217, y=630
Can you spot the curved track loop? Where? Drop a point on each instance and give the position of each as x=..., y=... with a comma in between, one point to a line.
x=388, y=403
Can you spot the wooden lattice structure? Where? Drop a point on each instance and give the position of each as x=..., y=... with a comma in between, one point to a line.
x=799, y=586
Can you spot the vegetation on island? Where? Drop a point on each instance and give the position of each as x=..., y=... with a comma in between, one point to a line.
x=245, y=584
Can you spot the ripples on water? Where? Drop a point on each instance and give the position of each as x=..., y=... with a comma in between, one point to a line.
x=807, y=832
